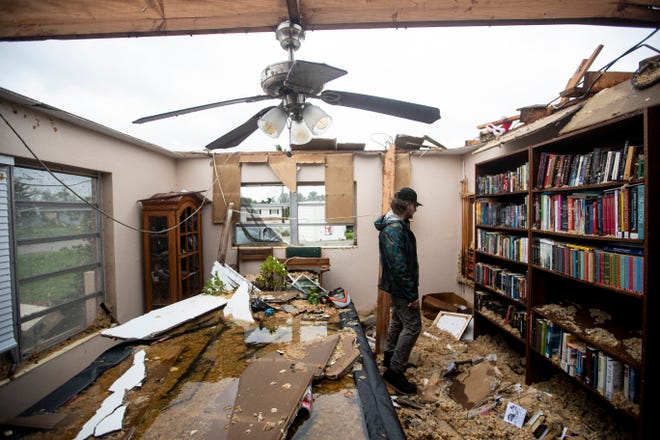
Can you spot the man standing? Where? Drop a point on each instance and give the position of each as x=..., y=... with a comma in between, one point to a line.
x=400, y=279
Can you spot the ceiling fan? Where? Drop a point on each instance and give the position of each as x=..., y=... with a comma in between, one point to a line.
x=293, y=82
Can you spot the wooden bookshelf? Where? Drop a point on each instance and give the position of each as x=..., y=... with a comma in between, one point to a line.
x=580, y=232
x=501, y=237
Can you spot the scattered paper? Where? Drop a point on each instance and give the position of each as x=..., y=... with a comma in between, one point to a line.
x=515, y=414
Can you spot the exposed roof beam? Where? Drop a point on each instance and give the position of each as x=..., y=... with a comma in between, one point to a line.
x=66, y=19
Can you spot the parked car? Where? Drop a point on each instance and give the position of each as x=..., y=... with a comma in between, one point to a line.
x=253, y=234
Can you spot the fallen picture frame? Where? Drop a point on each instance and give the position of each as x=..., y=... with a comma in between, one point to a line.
x=452, y=322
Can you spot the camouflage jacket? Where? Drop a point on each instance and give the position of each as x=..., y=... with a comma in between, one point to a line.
x=398, y=257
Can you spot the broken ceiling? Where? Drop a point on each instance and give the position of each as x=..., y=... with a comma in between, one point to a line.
x=34, y=20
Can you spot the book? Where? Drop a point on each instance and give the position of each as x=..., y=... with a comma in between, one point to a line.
x=608, y=167
x=596, y=166
x=543, y=164
x=626, y=382
x=640, y=211
x=601, y=367
x=554, y=340
x=588, y=365
x=633, y=384
x=613, y=377
x=621, y=163
x=633, y=212
x=627, y=169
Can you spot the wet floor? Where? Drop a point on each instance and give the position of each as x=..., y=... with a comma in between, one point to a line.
x=201, y=402
x=201, y=399
x=192, y=373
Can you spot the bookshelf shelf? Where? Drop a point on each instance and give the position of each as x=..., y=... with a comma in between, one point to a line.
x=502, y=228
x=498, y=322
x=587, y=237
x=554, y=365
x=580, y=258
x=589, y=283
x=501, y=251
x=500, y=293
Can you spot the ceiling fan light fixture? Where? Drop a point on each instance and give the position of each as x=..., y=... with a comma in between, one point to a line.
x=299, y=133
x=273, y=122
x=316, y=119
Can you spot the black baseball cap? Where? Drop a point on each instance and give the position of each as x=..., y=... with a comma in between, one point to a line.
x=407, y=194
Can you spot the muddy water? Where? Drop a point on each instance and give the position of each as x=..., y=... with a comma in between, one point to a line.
x=199, y=402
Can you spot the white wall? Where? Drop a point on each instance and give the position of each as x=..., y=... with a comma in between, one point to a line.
x=437, y=225
x=130, y=173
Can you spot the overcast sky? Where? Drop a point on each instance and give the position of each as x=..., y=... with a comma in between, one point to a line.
x=473, y=75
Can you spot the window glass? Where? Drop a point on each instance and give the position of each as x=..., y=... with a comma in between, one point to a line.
x=271, y=215
x=56, y=225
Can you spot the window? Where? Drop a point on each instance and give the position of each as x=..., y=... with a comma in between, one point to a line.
x=271, y=214
x=58, y=255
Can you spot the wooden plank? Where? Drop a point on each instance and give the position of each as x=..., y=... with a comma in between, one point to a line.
x=271, y=388
x=595, y=82
x=499, y=121
x=224, y=238
x=226, y=184
x=383, y=301
x=311, y=263
x=339, y=189
x=33, y=19
x=579, y=73
x=285, y=168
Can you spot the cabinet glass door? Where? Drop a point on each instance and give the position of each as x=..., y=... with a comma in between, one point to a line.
x=159, y=261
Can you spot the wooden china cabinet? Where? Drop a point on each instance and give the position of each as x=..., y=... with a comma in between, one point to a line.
x=172, y=239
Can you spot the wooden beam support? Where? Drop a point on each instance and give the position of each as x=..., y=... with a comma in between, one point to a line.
x=580, y=72
x=384, y=301
x=224, y=238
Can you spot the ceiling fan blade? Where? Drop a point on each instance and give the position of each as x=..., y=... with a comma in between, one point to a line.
x=309, y=78
x=240, y=133
x=402, y=109
x=201, y=107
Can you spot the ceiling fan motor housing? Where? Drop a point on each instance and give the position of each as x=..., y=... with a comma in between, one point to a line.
x=273, y=76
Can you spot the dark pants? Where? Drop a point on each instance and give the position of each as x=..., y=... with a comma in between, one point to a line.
x=402, y=333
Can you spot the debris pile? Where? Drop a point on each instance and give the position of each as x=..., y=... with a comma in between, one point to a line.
x=475, y=389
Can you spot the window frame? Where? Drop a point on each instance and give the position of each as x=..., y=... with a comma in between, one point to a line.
x=82, y=302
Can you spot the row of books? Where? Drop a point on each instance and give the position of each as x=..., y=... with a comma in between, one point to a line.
x=511, y=215
x=513, y=247
x=514, y=316
x=584, y=362
x=509, y=181
x=504, y=281
x=603, y=164
x=617, y=212
x=617, y=266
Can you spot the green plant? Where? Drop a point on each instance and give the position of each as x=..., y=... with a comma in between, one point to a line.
x=214, y=286
x=314, y=298
x=272, y=275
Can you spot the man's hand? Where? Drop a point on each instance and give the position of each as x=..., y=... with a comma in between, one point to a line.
x=414, y=304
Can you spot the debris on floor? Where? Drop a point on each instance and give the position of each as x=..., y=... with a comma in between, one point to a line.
x=466, y=386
